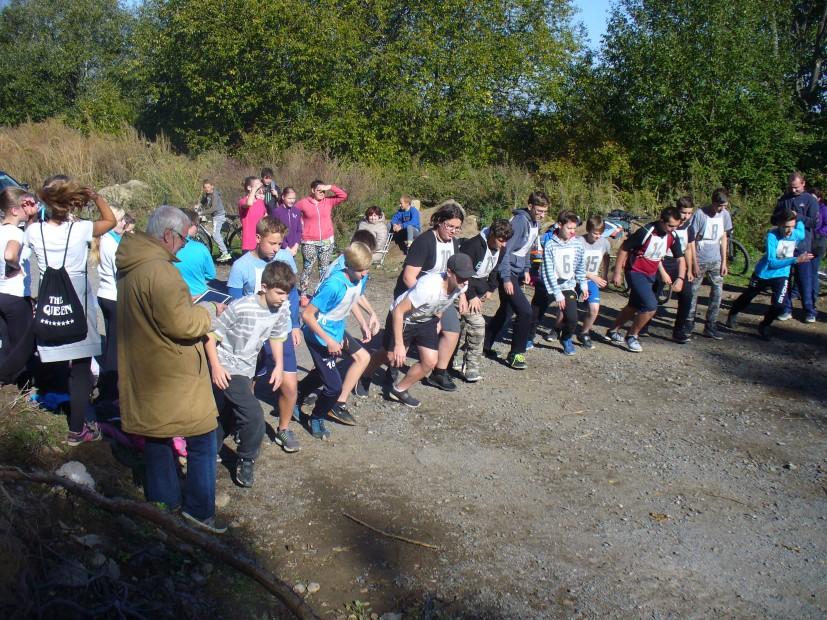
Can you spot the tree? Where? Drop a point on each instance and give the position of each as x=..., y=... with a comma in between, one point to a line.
x=702, y=83
x=52, y=53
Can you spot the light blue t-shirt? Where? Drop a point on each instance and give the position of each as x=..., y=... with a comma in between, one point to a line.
x=245, y=278
x=196, y=266
x=334, y=299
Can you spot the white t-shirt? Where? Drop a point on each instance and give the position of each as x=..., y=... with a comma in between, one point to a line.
x=106, y=267
x=593, y=253
x=427, y=298
x=444, y=251
x=15, y=284
x=56, y=238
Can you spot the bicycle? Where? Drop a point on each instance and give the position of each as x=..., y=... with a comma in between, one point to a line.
x=230, y=233
x=737, y=255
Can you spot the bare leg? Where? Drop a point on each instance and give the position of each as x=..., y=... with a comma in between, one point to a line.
x=361, y=359
x=288, y=393
x=640, y=322
x=447, y=345
x=591, y=317
x=426, y=363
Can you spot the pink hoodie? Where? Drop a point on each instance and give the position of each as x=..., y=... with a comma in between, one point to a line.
x=317, y=223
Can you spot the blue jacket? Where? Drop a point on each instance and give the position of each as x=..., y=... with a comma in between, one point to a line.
x=806, y=208
x=769, y=265
x=407, y=218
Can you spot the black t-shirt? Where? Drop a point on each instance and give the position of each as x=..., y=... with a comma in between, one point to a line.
x=429, y=254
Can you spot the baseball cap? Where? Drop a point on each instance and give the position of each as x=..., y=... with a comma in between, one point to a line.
x=461, y=265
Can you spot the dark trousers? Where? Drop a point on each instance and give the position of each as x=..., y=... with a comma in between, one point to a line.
x=539, y=305
x=569, y=325
x=18, y=346
x=331, y=380
x=780, y=292
x=518, y=305
x=163, y=485
x=79, y=372
x=108, y=381
x=684, y=300
x=802, y=273
x=240, y=411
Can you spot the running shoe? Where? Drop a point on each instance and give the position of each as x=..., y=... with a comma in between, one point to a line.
x=402, y=396
x=287, y=440
x=90, y=432
x=633, y=344
x=440, y=379
x=713, y=333
x=810, y=318
x=568, y=346
x=786, y=316
x=472, y=375
x=226, y=257
x=244, y=472
x=318, y=429
x=614, y=336
x=516, y=361
x=585, y=341
x=340, y=413
x=213, y=524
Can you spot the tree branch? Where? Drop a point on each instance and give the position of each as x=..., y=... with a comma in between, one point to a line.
x=169, y=523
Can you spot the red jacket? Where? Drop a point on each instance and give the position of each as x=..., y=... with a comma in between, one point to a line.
x=317, y=223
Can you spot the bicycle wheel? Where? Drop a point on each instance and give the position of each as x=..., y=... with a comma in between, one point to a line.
x=234, y=242
x=737, y=257
x=202, y=236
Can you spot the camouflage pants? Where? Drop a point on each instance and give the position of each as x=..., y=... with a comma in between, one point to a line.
x=471, y=337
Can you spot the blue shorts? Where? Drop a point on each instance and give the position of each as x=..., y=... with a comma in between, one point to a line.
x=642, y=291
x=267, y=364
x=594, y=293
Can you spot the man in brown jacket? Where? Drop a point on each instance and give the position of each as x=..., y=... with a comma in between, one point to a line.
x=164, y=381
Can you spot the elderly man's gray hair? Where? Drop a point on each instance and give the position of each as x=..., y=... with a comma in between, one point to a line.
x=164, y=218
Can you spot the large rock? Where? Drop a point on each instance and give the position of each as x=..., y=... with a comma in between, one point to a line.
x=128, y=196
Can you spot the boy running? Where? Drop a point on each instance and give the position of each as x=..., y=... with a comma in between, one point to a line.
x=773, y=269
x=245, y=279
x=596, y=247
x=232, y=350
x=414, y=320
x=646, y=249
x=513, y=272
x=711, y=226
x=562, y=271
x=485, y=251
x=324, y=323
x=686, y=235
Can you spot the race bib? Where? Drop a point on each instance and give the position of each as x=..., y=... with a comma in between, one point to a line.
x=683, y=238
x=713, y=231
x=592, y=260
x=656, y=249
x=564, y=262
x=259, y=273
x=785, y=249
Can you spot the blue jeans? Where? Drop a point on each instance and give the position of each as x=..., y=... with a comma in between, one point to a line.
x=163, y=485
x=803, y=277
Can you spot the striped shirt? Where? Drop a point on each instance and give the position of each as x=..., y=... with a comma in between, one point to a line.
x=242, y=329
x=563, y=265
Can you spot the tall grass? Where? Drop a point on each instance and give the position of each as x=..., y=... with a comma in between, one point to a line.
x=34, y=151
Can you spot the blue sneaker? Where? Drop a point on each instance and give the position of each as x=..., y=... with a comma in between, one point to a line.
x=568, y=346
x=318, y=429
x=529, y=345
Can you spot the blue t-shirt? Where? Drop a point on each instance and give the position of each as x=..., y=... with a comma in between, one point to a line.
x=334, y=299
x=245, y=278
x=196, y=266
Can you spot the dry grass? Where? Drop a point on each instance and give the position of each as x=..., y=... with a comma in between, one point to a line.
x=28, y=435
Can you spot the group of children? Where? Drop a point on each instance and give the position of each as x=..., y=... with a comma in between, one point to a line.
x=439, y=298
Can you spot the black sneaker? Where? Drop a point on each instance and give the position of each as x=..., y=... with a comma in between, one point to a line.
x=340, y=413
x=490, y=354
x=244, y=472
x=732, y=321
x=214, y=524
x=681, y=338
x=585, y=341
x=764, y=331
x=402, y=396
x=713, y=333
x=440, y=379
x=362, y=389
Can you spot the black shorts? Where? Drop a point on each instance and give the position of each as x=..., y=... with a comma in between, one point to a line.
x=419, y=334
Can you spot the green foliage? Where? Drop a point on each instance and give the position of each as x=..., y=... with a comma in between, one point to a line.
x=54, y=55
x=703, y=81
x=375, y=81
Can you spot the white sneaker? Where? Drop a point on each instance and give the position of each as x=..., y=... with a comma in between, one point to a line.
x=226, y=256
x=786, y=316
x=633, y=344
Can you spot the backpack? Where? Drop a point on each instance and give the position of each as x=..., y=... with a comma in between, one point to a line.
x=60, y=318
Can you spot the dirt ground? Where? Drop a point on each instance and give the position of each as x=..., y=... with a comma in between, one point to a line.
x=685, y=481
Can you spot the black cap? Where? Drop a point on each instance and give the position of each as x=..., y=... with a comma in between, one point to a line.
x=462, y=266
